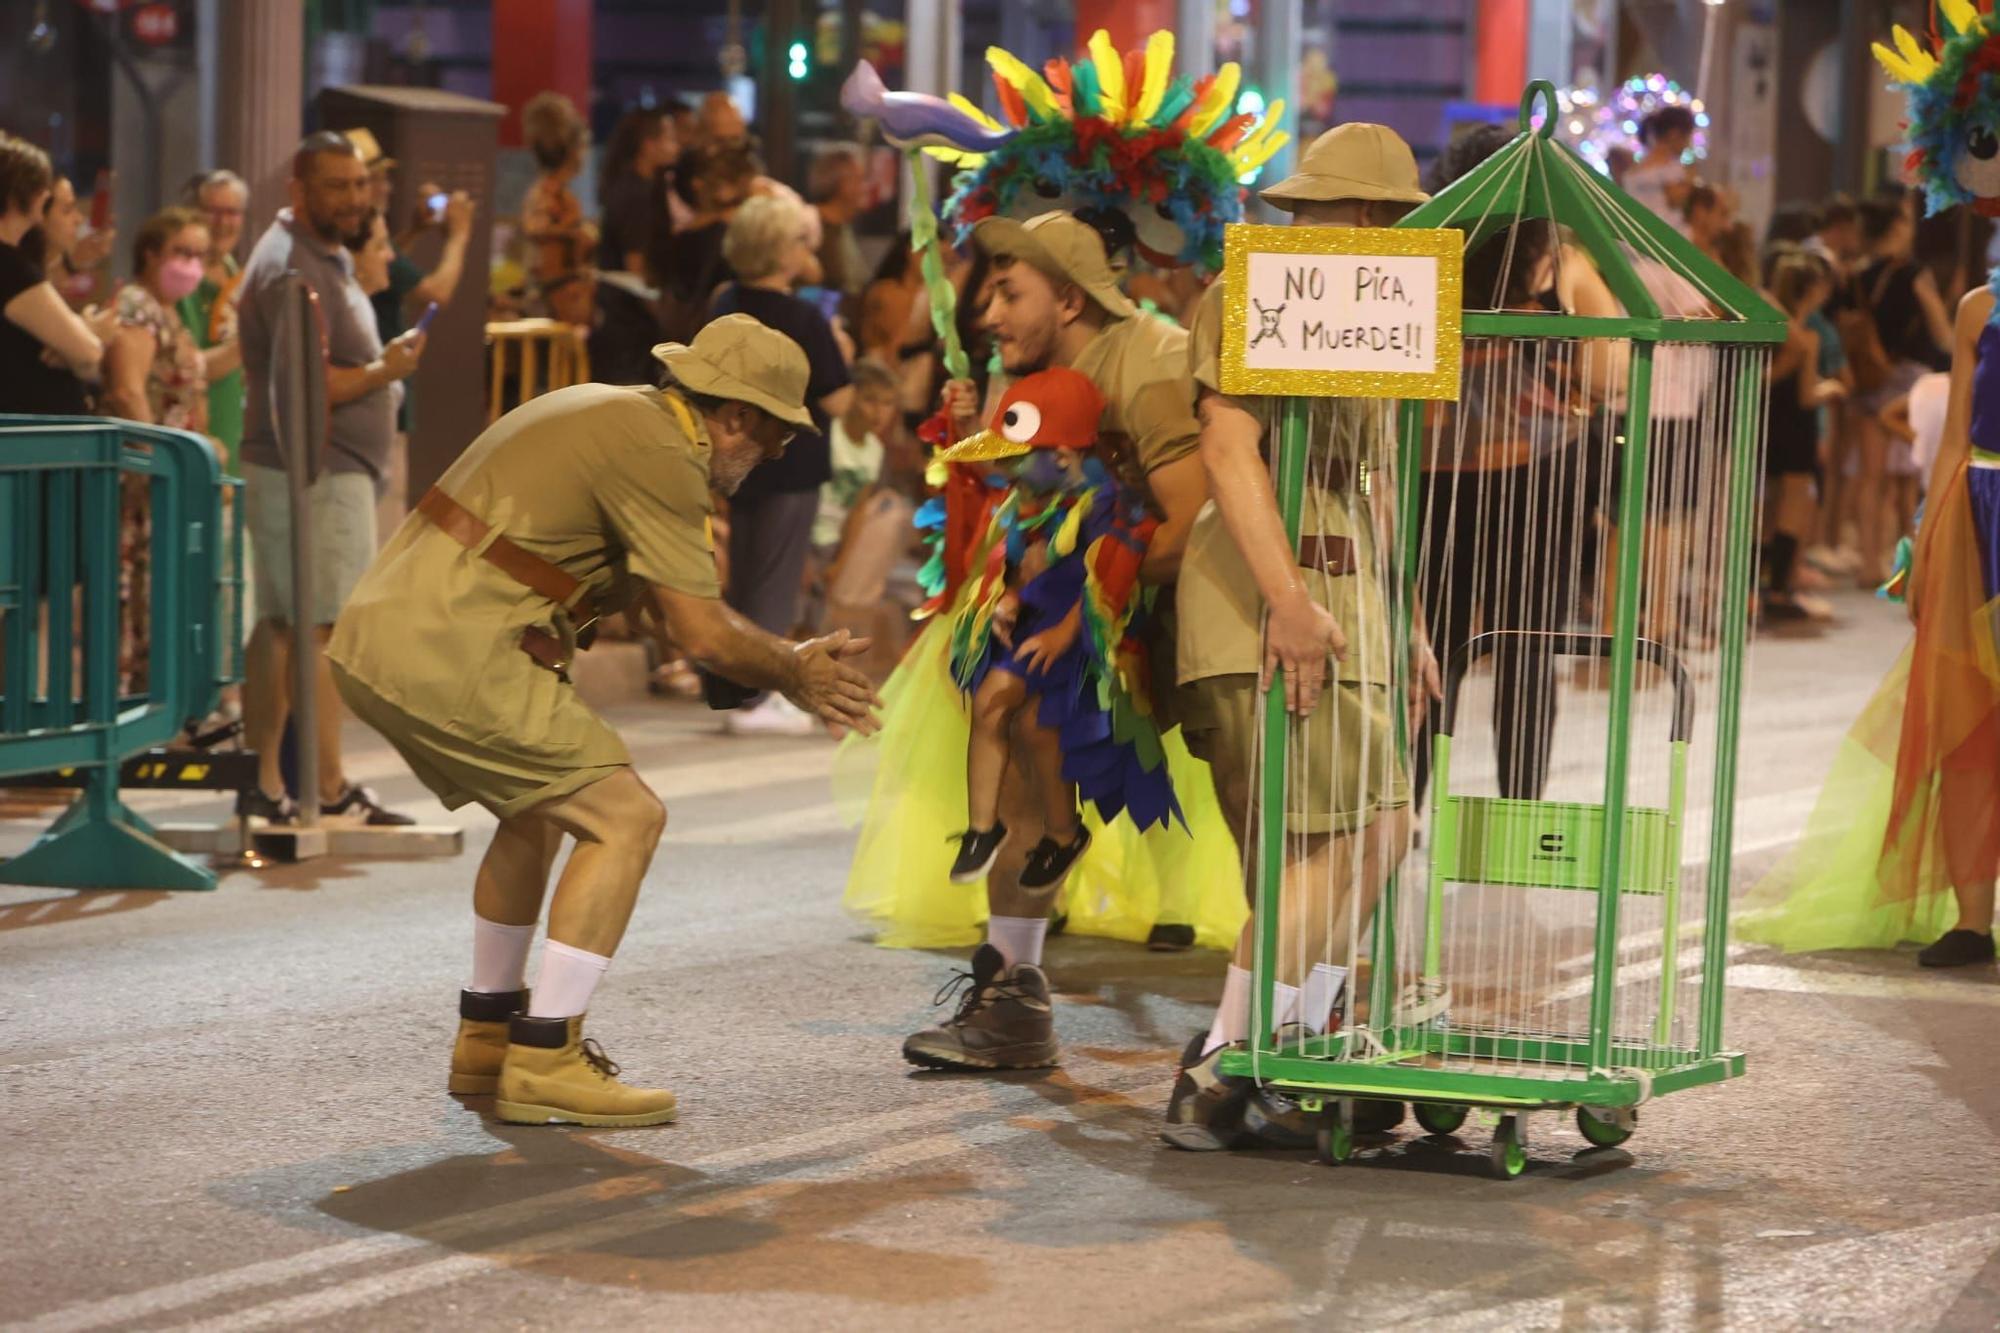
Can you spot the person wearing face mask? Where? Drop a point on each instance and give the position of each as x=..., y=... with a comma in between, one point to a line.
x=209, y=311
x=47, y=352
x=455, y=647
x=154, y=370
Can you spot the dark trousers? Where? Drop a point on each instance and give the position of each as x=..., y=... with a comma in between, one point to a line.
x=770, y=537
x=1501, y=550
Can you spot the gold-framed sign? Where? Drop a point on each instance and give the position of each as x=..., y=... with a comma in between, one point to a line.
x=1342, y=312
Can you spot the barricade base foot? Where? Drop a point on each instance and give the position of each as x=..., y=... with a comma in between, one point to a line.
x=82, y=852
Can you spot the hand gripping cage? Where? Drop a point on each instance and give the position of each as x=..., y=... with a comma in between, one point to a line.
x=1590, y=502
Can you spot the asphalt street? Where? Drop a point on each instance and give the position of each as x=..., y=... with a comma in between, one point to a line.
x=226, y=1111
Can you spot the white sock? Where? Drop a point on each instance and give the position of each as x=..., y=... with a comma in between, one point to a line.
x=1284, y=1005
x=1232, y=1016
x=1018, y=938
x=567, y=979
x=499, y=955
x=1321, y=990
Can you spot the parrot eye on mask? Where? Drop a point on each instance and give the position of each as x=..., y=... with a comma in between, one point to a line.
x=1953, y=86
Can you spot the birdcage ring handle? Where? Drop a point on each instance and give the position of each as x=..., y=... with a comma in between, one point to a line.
x=1545, y=90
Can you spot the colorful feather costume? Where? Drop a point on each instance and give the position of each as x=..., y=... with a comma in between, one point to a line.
x=1156, y=161
x=1912, y=805
x=1092, y=535
x=1171, y=857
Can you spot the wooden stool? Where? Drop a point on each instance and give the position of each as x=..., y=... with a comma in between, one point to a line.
x=550, y=343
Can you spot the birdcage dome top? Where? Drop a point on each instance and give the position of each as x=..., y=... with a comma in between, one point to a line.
x=1668, y=289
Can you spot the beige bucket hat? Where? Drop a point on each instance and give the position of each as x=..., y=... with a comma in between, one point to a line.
x=370, y=148
x=737, y=358
x=1062, y=246
x=1355, y=161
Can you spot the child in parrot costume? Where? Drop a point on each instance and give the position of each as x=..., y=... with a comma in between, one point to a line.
x=1047, y=624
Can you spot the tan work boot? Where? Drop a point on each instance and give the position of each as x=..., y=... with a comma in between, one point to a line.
x=482, y=1039
x=552, y=1075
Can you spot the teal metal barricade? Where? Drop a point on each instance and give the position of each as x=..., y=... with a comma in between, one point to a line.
x=108, y=649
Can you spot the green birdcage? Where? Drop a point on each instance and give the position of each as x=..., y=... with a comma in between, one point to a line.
x=1558, y=940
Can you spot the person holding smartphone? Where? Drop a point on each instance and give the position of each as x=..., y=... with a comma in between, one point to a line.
x=410, y=289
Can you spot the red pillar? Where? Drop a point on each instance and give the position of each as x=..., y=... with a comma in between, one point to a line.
x=539, y=46
x=1130, y=22
x=1501, y=43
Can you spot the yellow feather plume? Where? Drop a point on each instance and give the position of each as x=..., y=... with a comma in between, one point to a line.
x=1959, y=13
x=1110, y=75
x=1064, y=541
x=955, y=157
x=1159, y=71
x=1034, y=91
x=1909, y=63
x=1217, y=102
x=973, y=109
x=1268, y=125
x=1262, y=146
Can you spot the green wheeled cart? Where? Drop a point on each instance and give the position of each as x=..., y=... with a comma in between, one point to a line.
x=1566, y=948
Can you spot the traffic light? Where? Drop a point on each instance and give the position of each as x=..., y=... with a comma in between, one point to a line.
x=796, y=55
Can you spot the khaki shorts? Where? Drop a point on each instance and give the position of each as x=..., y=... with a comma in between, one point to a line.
x=342, y=513
x=458, y=771
x=1343, y=768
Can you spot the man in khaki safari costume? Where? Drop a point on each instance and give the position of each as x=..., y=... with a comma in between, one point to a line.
x=455, y=647
x=1251, y=602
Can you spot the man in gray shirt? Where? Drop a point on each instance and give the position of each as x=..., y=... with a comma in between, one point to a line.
x=329, y=201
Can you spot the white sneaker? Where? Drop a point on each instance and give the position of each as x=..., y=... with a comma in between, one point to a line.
x=775, y=716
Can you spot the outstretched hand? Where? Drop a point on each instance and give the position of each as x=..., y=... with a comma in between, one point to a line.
x=832, y=690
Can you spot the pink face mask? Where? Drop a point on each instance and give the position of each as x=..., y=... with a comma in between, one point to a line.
x=179, y=277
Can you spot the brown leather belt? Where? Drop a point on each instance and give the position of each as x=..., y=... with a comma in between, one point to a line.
x=1331, y=555
x=537, y=575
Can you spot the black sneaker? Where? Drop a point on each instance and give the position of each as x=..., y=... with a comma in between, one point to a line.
x=977, y=849
x=1004, y=1019
x=257, y=804
x=359, y=800
x=1050, y=860
x=1958, y=948
x=1164, y=938
x=1205, y=1110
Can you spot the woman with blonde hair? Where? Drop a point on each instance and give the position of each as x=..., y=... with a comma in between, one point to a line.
x=154, y=371
x=771, y=515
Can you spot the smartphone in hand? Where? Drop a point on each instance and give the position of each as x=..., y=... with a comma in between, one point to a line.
x=423, y=324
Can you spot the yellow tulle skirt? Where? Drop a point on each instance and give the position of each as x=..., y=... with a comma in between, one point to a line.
x=905, y=788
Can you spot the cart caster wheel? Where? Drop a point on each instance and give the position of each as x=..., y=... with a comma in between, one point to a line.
x=1509, y=1157
x=1605, y=1127
x=1440, y=1120
x=1335, y=1140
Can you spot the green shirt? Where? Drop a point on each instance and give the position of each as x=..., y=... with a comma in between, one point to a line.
x=213, y=323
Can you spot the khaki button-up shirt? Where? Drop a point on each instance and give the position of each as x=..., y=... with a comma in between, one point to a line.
x=1221, y=611
x=611, y=484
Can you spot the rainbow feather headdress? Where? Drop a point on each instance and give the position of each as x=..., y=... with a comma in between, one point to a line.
x=1154, y=160
x=1953, y=87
